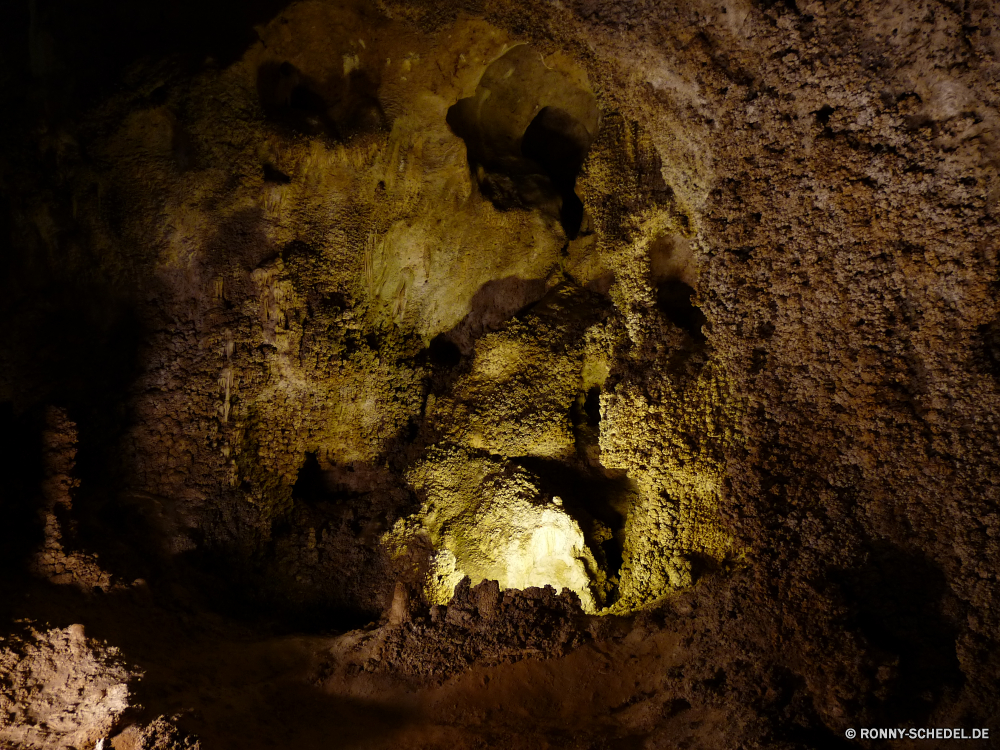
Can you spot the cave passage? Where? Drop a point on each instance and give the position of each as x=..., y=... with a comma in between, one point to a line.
x=527, y=131
x=558, y=143
x=597, y=501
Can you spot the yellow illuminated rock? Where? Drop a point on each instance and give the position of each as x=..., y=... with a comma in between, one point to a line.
x=491, y=522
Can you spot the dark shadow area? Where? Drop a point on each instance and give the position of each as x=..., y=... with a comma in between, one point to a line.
x=675, y=300
x=524, y=155
x=258, y=593
x=988, y=352
x=75, y=344
x=104, y=521
x=73, y=53
x=275, y=176
x=585, y=416
x=247, y=684
x=339, y=108
x=183, y=148
x=788, y=703
x=310, y=486
x=592, y=407
x=823, y=114
x=896, y=600
x=491, y=306
x=817, y=737
x=8, y=260
x=323, y=567
x=360, y=111
x=240, y=245
x=290, y=99
x=703, y=565
x=558, y=143
x=22, y=471
x=565, y=306
x=673, y=270
x=443, y=352
x=123, y=530
x=570, y=308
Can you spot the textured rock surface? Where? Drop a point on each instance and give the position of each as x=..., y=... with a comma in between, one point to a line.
x=60, y=689
x=719, y=276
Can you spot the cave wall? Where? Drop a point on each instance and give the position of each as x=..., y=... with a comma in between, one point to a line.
x=313, y=324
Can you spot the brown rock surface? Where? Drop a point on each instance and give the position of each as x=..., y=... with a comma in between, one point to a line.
x=330, y=324
x=60, y=689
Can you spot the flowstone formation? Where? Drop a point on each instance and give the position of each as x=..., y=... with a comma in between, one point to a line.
x=603, y=374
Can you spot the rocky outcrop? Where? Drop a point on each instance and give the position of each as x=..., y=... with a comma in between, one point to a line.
x=689, y=308
x=60, y=689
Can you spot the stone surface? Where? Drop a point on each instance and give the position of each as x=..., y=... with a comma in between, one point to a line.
x=306, y=323
x=60, y=689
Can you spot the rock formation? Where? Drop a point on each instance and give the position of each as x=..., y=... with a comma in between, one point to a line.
x=523, y=375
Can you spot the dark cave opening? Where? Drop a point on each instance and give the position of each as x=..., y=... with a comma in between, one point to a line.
x=77, y=348
x=673, y=270
x=592, y=406
x=527, y=132
x=310, y=486
x=585, y=416
x=105, y=521
x=675, y=299
x=597, y=500
x=823, y=114
x=443, y=352
x=558, y=143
